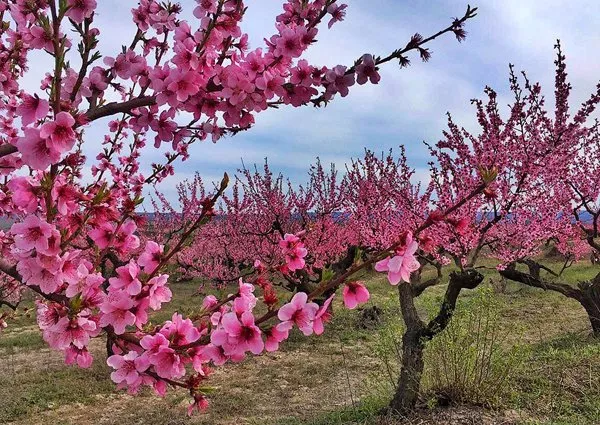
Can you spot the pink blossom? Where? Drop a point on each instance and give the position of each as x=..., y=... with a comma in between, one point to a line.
x=461, y=225
x=400, y=266
x=209, y=302
x=126, y=65
x=65, y=196
x=60, y=132
x=200, y=404
x=35, y=273
x=204, y=7
x=35, y=151
x=167, y=363
x=210, y=352
x=140, y=311
x=128, y=368
x=81, y=356
x=41, y=38
x=48, y=314
x=238, y=336
x=154, y=343
x=323, y=315
x=271, y=84
x=295, y=259
x=355, y=293
x=302, y=74
x=84, y=283
x=74, y=331
x=32, y=109
x=184, y=84
x=97, y=79
x=273, y=337
x=24, y=193
x=367, y=71
x=298, y=312
x=255, y=63
x=289, y=43
x=294, y=251
x=164, y=127
x=337, y=13
x=151, y=257
x=102, y=235
x=127, y=279
x=246, y=301
x=80, y=9
x=125, y=239
x=116, y=311
x=180, y=331
x=32, y=233
x=159, y=292
x=339, y=80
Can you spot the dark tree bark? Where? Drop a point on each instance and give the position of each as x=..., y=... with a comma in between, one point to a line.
x=590, y=300
x=418, y=334
x=409, y=381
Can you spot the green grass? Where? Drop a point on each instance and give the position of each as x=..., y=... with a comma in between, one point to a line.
x=25, y=340
x=30, y=391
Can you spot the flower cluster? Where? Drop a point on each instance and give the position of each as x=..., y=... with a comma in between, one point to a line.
x=294, y=251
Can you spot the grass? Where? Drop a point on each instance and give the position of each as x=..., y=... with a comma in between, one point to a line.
x=338, y=378
x=26, y=393
x=29, y=340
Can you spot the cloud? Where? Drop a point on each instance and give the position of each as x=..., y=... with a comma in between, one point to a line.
x=409, y=105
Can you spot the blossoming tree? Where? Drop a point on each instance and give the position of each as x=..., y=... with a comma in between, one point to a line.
x=507, y=158
x=346, y=224
x=74, y=240
x=569, y=213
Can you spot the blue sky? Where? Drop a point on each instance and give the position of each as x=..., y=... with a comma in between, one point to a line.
x=409, y=105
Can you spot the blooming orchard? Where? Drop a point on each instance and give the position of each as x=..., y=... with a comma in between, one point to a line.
x=264, y=218
x=500, y=194
x=76, y=241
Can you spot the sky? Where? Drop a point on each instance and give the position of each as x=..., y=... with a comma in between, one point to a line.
x=409, y=105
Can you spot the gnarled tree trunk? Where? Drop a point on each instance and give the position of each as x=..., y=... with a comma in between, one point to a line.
x=417, y=334
x=590, y=300
x=409, y=381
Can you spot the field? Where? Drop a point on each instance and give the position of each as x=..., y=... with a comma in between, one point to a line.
x=540, y=368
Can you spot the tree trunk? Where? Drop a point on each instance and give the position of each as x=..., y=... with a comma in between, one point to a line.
x=409, y=382
x=593, y=312
x=587, y=293
x=417, y=334
x=590, y=300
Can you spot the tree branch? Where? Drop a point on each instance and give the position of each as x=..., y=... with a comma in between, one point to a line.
x=122, y=107
x=513, y=274
x=468, y=279
x=7, y=150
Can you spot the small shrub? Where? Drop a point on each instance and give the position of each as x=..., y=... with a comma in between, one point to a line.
x=468, y=362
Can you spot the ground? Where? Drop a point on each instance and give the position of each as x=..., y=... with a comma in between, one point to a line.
x=535, y=364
